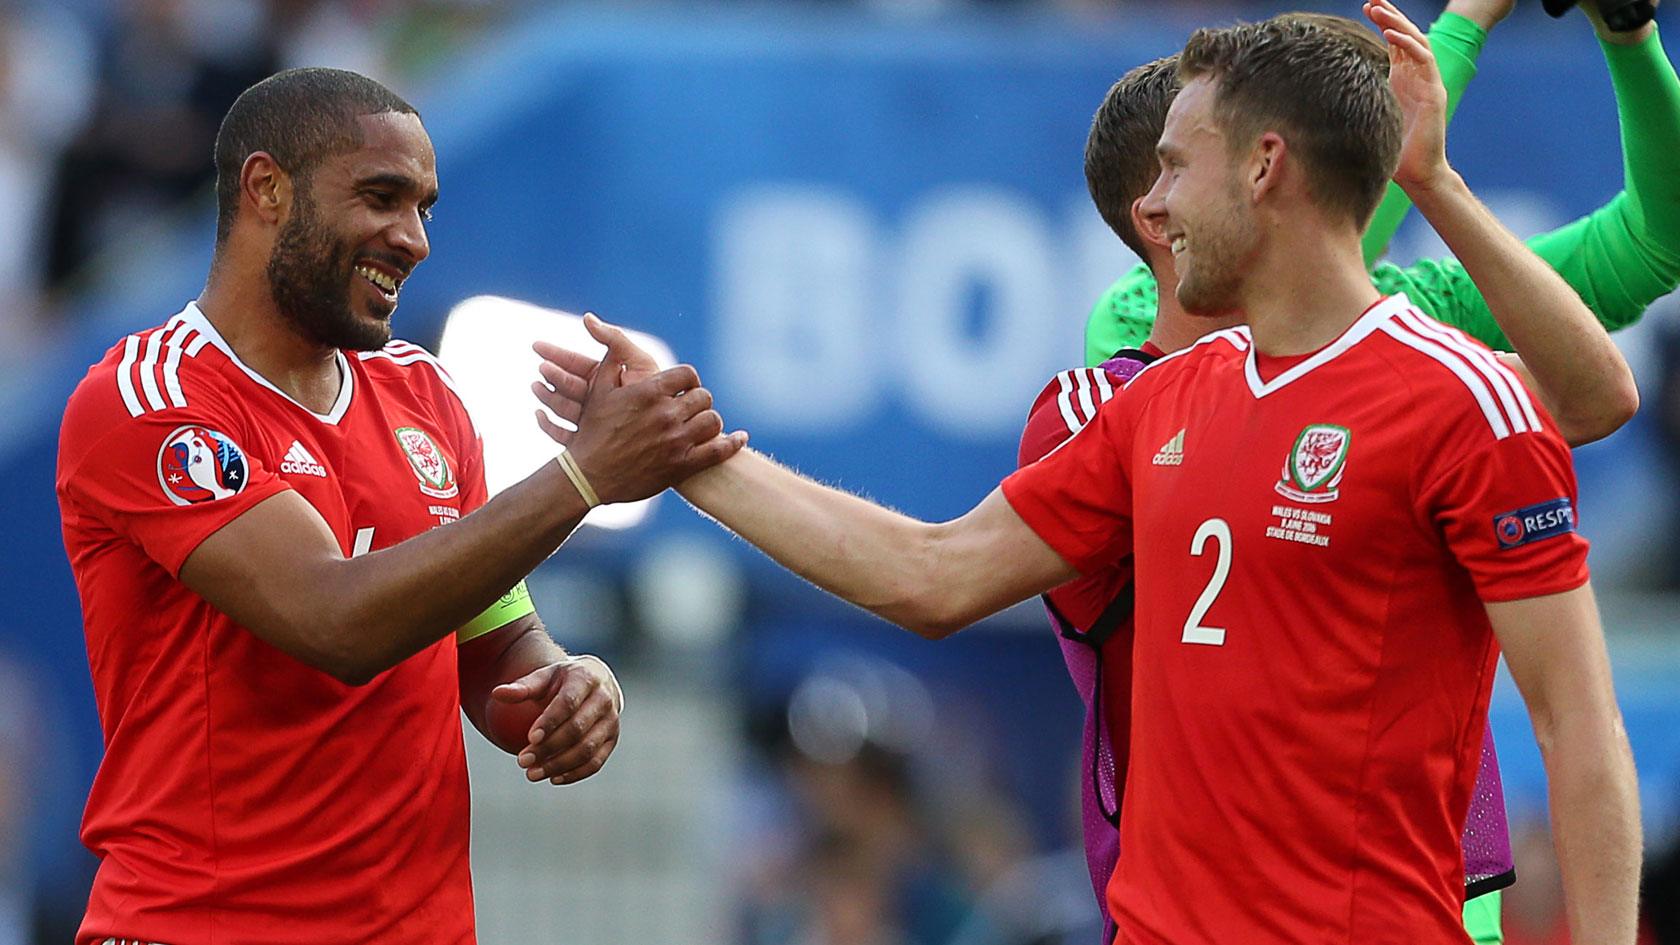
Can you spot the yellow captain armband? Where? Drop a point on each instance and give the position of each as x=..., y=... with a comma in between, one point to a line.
x=512, y=605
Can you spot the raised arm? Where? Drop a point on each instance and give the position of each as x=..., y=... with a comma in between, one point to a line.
x=1582, y=377
x=1457, y=38
x=1626, y=254
x=1554, y=647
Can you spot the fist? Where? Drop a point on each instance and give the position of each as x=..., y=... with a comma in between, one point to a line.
x=508, y=724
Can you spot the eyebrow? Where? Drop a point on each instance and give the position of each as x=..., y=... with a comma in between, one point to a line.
x=397, y=181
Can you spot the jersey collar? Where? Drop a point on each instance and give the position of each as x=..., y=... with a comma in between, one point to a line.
x=1374, y=316
x=194, y=316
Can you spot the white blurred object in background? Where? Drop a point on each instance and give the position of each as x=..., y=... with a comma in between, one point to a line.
x=486, y=347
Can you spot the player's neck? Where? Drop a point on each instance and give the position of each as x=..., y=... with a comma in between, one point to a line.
x=243, y=311
x=1175, y=328
x=1303, y=293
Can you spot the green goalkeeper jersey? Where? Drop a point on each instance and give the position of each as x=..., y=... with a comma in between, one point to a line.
x=1620, y=258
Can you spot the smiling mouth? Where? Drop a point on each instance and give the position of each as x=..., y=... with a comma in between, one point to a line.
x=387, y=284
x=1178, y=245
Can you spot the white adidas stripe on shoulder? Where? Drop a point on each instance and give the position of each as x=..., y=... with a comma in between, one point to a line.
x=1081, y=392
x=1512, y=394
x=406, y=353
x=1493, y=407
x=156, y=359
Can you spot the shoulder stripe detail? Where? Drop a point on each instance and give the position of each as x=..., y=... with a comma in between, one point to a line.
x=197, y=345
x=156, y=358
x=1518, y=405
x=1460, y=368
x=125, y=376
x=172, y=364
x=148, y=368
x=1064, y=400
x=1497, y=379
x=1105, y=390
x=410, y=357
x=1082, y=391
x=1083, y=384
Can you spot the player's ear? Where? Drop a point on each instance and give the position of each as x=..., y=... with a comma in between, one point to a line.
x=1150, y=220
x=1264, y=171
x=265, y=189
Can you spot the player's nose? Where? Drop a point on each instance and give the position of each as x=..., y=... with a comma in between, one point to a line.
x=408, y=236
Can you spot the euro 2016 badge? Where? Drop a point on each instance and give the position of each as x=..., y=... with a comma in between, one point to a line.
x=1313, y=471
x=428, y=462
x=198, y=464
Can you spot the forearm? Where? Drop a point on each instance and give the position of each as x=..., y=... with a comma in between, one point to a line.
x=390, y=604
x=504, y=656
x=1457, y=42
x=1582, y=378
x=870, y=556
x=1595, y=825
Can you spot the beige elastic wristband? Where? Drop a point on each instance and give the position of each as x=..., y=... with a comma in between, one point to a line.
x=575, y=473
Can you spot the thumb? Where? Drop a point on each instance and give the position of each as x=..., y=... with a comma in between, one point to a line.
x=528, y=686
x=619, y=346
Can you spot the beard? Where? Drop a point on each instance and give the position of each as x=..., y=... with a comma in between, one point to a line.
x=309, y=273
x=1211, y=284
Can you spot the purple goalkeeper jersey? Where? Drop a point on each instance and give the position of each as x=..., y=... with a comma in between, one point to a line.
x=1486, y=838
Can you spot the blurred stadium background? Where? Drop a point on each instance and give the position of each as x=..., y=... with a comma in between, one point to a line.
x=865, y=222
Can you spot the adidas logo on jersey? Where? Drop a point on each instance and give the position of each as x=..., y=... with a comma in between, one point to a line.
x=1173, y=453
x=299, y=463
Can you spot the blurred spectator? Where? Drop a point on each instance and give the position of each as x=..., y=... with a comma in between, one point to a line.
x=46, y=68
x=167, y=72
x=855, y=856
x=16, y=758
x=1666, y=408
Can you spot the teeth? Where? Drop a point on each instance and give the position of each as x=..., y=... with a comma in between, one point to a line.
x=1178, y=245
x=377, y=278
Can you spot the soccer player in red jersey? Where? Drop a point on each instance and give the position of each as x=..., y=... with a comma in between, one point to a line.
x=1350, y=511
x=280, y=635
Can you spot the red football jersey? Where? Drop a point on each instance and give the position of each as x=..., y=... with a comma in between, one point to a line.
x=244, y=796
x=1313, y=658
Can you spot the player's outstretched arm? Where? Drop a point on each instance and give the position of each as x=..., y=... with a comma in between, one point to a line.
x=1582, y=378
x=1554, y=647
x=278, y=570
x=931, y=579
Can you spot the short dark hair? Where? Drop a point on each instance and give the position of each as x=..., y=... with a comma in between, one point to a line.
x=1120, y=162
x=300, y=116
x=1326, y=95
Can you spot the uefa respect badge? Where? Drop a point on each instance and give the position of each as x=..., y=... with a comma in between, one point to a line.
x=197, y=464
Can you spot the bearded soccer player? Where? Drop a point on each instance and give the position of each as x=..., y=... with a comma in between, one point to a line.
x=281, y=637
x=1576, y=371
x=1365, y=508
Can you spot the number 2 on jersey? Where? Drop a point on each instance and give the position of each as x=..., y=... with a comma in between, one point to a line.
x=1194, y=632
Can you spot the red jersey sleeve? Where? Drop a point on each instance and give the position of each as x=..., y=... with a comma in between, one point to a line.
x=1507, y=512
x=1059, y=412
x=163, y=479
x=1078, y=499
x=1062, y=409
